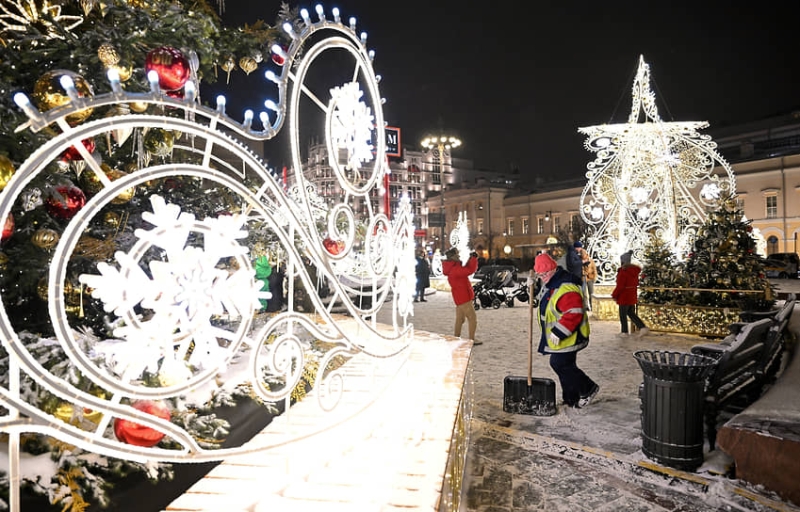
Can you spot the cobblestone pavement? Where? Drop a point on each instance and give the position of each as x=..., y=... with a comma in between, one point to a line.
x=586, y=459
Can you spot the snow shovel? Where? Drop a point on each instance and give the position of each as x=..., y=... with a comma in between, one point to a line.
x=529, y=395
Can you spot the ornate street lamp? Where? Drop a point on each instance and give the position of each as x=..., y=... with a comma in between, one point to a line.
x=439, y=144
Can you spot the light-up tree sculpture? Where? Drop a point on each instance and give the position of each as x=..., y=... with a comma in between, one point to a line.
x=649, y=178
x=441, y=146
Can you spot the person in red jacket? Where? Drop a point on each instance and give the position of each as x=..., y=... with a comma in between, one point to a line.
x=461, y=288
x=626, y=294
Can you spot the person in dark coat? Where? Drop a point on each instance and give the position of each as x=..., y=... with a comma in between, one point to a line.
x=574, y=260
x=275, y=281
x=423, y=271
x=564, y=324
x=626, y=295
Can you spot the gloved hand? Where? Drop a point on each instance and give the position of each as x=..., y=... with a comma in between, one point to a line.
x=473, y=254
x=554, y=339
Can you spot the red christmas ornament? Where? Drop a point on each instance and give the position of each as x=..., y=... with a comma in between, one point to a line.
x=139, y=435
x=279, y=59
x=65, y=202
x=8, y=228
x=333, y=246
x=72, y=153
x=171, y=65
x=177, y=94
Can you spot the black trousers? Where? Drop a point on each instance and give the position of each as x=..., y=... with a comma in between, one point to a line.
x=574, y=383
x=626, y=312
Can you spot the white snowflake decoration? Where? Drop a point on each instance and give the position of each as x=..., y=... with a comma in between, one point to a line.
x=459, y=237
x=185, y=291
x=352, y=124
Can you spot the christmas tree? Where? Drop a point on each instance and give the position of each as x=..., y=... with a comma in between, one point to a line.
x=723, y=259
x=41, y=42
x=661, y=271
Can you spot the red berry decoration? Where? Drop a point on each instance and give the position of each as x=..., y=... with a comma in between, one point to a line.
x=8, y=227
x=72, y=153
x=279, y=59
x=333, y=246
x=65, y=202
x=171, y=65
x=139, y=435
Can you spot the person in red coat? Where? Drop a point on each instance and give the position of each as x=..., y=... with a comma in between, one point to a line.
x=461, y=288
x=626, y=294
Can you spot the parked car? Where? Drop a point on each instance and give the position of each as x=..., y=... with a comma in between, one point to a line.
x=774, y=268
x=494, y=265
x=790, y=261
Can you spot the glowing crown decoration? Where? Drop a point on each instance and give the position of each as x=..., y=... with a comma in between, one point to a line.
x=182, y=291
x=649, y=178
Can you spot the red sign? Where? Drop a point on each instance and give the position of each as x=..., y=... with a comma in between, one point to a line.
x=421, y=232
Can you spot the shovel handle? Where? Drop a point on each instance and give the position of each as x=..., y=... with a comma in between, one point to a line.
x=530, y=337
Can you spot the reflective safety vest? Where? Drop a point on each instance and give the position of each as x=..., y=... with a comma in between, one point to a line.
x=552, y=316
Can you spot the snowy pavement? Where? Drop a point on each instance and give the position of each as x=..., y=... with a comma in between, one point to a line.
x=579, y=459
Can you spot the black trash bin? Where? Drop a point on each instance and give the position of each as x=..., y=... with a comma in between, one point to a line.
x=672, y=406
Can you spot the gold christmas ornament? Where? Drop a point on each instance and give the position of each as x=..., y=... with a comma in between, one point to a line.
x=138, y=106
x=45, y=238
x=6, y=171
x=3, y=260
x=91, y=184
x=66, y=413
x=248, y=64
x=42, y=288
x=158, y=141
x=112, y=219
x=227, y=66
x=108, y=55
x=94, y=248
x=48, y=93
x=124, y=72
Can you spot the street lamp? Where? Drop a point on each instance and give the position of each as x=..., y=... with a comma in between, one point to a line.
x=441, y=143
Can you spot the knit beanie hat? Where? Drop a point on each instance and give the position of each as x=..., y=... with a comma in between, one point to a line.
x=577, y=244
x=544, y=263
x=625, y=259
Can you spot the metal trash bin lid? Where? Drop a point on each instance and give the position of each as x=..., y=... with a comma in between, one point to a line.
x=674, y=366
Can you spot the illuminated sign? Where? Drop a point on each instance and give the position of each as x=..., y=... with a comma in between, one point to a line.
x=393, y=147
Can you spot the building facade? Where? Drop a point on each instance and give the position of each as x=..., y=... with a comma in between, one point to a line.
x=509, y=218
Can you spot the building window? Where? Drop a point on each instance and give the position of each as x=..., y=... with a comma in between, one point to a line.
x=573, y=222
x=510, y=227
x=556, y=223
x=480, y=226
x=540, y=225
x=526, y=226
x=772, y=207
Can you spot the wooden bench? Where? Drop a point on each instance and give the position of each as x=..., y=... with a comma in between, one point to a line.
x=736, y=373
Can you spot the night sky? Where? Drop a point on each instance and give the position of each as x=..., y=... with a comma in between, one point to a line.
x=515, y=83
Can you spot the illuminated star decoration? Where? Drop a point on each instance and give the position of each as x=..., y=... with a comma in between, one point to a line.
x=649, y=178
x=20, y=14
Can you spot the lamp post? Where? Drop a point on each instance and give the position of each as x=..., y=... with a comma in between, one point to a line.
x=441, y=143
